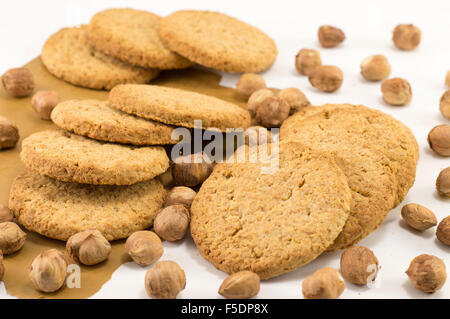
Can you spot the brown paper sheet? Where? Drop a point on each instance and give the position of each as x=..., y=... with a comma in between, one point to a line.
x=19, y=111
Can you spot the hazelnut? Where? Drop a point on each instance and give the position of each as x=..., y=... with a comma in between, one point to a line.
x=272, y=111
x=375, y=68
x=12, y=238
x=9, y=133
x=43, y=103
x=427, y=273
x=443, y=182
x=307, y=60
x=444, y=105
x=165, y=280
x=257, y=135
x=248, y=84
x=325, y=283
x=359, y=265
x=144, y=247
x=396, y=91
x=2, y=267
x=191, y=170
x=447, y=79
x=240, y=285
x=327, y=78
x=418, y=217
x=295, y=98
x=406, y=36
x=180, y=195
x=18, y=82
x=88, y=247
x=330, y=37
x=5, y=214
x=48, y=270
x=172, y=222
x=439, y=139
x=256, y=99
x=443, y=231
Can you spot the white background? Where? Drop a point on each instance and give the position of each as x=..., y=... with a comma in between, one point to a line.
x=25, y=25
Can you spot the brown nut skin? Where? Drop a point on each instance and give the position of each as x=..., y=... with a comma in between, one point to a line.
x=295, y=98
x=12, y=238
x=447, y=79
x=48, y=271
x=375, y=68
x=307, y=60
x=180, y=195
x=396, y=91
x=330, y=37
x=418, y=217
x=18, y=82
x=443, y=231
x=439, y=139
x=325, y=283
x=327, y=78
x=5, y=214
x=144, y=247
x=88, y=247
x=191, y=170
x=406, y=36
x=272, y=112
x=165, y=280
x=257, y=135
x=443, y=182
x=2, y=267
x=9, y=133
x=241, y=285
x=172, y=222
x=43, y=103
x=248, y=84
x=358, y=265
x=444, y=105
x=256, y=99
x=427, y=273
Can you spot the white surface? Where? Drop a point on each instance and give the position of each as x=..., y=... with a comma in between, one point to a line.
x=25, y=25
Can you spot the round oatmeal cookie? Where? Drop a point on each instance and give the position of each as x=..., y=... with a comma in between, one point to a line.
x=365, y=127
x=95, y=119
x=245, y=219
x=59, y=210
x=218, y=41
x=178, y=107
x=73, y=158
x=68, y=55
x=132, y=36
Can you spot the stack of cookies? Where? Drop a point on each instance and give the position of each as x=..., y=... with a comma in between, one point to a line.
x=122, y=46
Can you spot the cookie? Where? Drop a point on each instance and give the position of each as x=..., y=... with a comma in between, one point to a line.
x=369, y=129
x=243, y=219
x=95, y=119
x=132, y=36
x=178, y=107
x=68, y=55
x=59, y=210
x=73, y=158
x=218, y=41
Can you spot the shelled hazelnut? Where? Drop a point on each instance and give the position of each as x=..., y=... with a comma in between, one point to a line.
x=144, y=247
x=443, y=231
x=359, y=265
x=325, y=283
x=5, y=214
x=295, y=98
x=165, y=280
x=257, y=98
x=406, y=36
x=272, y=111
x=249, y=83
x=439, y=139
x=43, y=103
x=375, y=68
x=88, y=247
x=172, y=222
x=396, y=91
x=240, y=285
x=191, y=170
x=443, y=182
x=18, y=82
x=180, y=195
x=9, y=133
x=48, y=271
x=307, y=60
x=418, y=217
x=444, y=105
x=330, y=37
x=427, y=273
x=327, y=78
x=12, y=238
